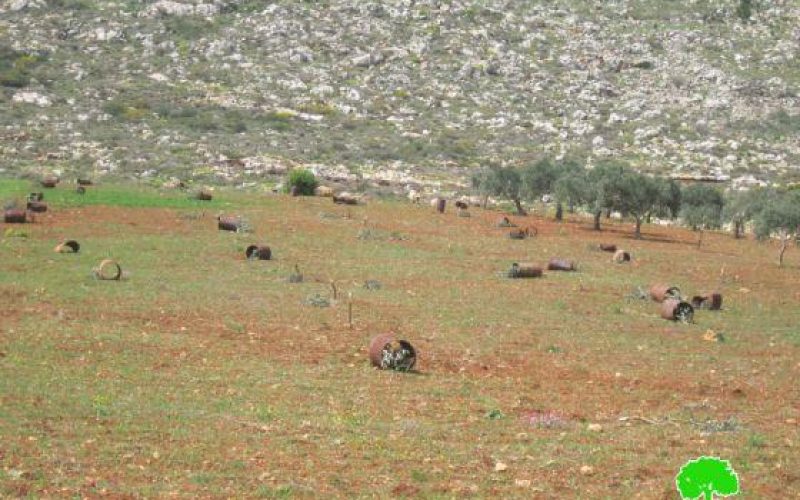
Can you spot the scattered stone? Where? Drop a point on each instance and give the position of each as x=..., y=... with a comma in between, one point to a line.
x=373, y=285
x=28, y=97
x=318, y=300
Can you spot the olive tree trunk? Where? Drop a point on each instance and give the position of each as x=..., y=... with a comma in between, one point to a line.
x=737, y=229
x=784, y=244
x=520, y=210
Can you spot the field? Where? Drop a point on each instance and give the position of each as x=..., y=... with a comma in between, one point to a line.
x=203, y=374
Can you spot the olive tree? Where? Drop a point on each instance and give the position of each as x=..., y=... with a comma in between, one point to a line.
x=539, y=179
x=701, y=208
x=639, y=196
x=572, y=188
x=742, y=206
x=503, y=182
x=780, y=217
x=567, y=168
x=603, y=184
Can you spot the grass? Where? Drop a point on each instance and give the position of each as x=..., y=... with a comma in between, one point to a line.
x=203, y=374
x=115, y=195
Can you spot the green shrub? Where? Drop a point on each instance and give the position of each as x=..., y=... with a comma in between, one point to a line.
x=744, y=10
x=303, y=180
x=14, y=78
x=15, y=67
x=127, y=109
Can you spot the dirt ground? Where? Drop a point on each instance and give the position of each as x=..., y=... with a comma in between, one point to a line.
x=202, y=374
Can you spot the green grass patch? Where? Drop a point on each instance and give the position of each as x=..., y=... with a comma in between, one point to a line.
x=64, y=195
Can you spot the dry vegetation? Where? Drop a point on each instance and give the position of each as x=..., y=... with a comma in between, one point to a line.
x=203, y=374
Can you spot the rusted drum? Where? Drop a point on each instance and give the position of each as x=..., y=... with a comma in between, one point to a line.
x=228, y=224
x=621, y=256
x=37, y=206
x=524, y=270
x=255, y=252
x=345, y=199
x=14, y=216
x=711, y=301
x=660, y=292
x=608, y=247
x=561, y=265
x=677, y=310
x=49, y=182
x=388, y=353
x=108, y=270
x=203, y=195
x=69, y=246
x=36, y=196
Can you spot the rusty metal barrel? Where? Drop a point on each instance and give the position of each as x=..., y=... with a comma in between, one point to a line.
x=345, y=199
x=68, y=246
x=49, y=181
x=108, y=269
x=258, y=252
x=677, y=310
x=660, y=292
x=203, y=195
x=228, y=224
x=711, y=301
x=14, y=216
x=389, y=353
x=37, y=206
x=561, y=265
x=608, y=247
x=621, y=256
x=524, y=270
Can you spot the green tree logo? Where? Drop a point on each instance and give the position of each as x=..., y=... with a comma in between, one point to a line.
x=706, y=477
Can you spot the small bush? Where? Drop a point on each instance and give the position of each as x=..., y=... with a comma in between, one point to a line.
x=16, y=67
x=14, y=78
x=303, y=180
x=745, y=10
x=127, y=109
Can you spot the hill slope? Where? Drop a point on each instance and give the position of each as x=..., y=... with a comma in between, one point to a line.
x=402, y=87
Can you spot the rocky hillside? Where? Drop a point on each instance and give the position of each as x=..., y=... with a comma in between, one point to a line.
x=399, y=90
